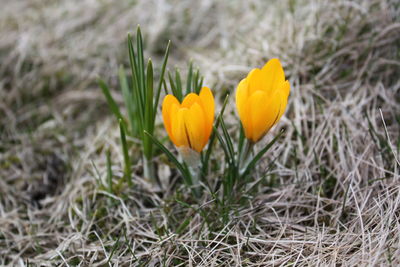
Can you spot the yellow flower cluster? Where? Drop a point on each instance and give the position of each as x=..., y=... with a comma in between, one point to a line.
x=261, y=100
x=189, y=124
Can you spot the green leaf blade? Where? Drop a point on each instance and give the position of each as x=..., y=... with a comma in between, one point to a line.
x=110, y=100
x=260, y=154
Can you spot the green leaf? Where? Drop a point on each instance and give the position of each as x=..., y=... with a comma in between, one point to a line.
x=242, y=138
x=228, y=141
x=183, y=170
x=132, y=58
x=129, y=246
x=109, y=172
x=127, y=161
x=172, y=85
x=160, y=83
x=197, y=82
x=128, y=100
x=142, y=76
x=213, y=136
x=110, y=100
x=200, y=84
x=189, y=78
x=115, y=246
x=223, y=145
x=165, y=87
x=148, y=115
x=259, y=155
x=183, y=225
x=135, y=84
x=178, y=83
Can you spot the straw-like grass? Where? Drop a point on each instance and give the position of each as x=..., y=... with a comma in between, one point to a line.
x=331, y=195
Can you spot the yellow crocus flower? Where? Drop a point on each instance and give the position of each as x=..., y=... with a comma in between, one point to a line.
x=261, y=99
x=189, y=124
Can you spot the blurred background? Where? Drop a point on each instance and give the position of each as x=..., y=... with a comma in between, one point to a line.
x=341, y=57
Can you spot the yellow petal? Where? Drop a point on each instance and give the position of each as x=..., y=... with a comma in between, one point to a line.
x=180, y=137
x=246, y=119
x=172, y=114
x=241, y=97
x=190, y=99
x=286, y=88
x=263, y=111
x=195, y=127
x=284, y=93
x=261, y=99
x=208, y=106
x=168, y=102
x=257, y=81
x=273, y=75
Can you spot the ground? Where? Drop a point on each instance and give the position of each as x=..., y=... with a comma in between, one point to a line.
x=329, y=191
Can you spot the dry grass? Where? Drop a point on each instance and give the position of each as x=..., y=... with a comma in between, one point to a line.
x=331, y=196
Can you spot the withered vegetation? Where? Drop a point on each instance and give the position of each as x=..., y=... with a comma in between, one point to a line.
x=328, y=193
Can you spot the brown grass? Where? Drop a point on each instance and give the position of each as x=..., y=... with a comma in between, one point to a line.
x=332, y=194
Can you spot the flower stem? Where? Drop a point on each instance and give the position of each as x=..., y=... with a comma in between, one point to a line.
x=195, y=173
x=149, y=170
x=192, y=159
